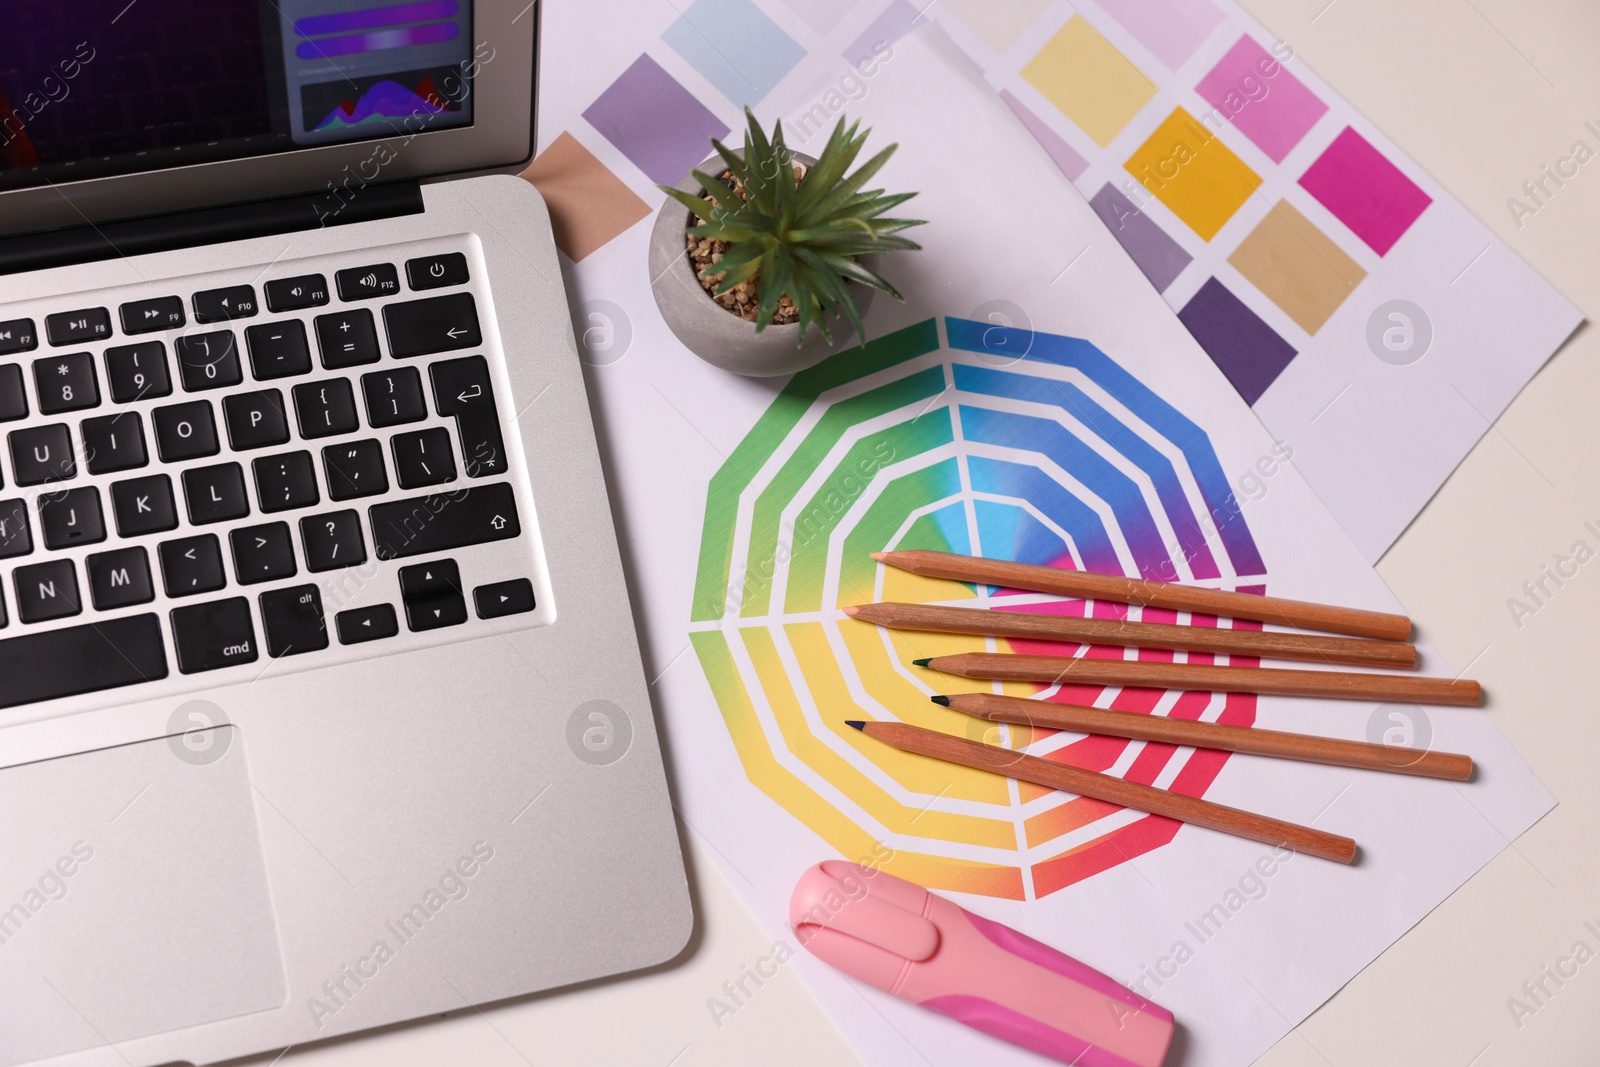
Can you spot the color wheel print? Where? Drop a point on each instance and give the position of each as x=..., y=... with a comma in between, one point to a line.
x=962, y=437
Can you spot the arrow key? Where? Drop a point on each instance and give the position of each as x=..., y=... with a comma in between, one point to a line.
x=434, y=612
x=504, y=598
x=366, y=624
x=423, y=580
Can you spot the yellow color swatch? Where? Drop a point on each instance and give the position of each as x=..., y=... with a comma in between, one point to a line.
x=1193, y=173
x=1092, y=83
x=1297, y=266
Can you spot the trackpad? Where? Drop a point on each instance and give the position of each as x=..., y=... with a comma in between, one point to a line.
x=133, y=895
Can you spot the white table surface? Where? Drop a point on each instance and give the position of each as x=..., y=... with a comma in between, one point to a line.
x=1482, y=93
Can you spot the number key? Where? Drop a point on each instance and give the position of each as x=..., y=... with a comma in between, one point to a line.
x=66, y=383
x=325, y=408
x=393, y=396
x=138, y=371
x=208, y=360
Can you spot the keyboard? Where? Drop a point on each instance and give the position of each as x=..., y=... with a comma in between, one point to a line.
x=272, y=467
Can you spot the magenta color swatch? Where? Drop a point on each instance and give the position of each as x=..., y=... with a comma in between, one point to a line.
x=1065, y=156
x=1172, y=29
x=655, y=122
x=1274, y=110
x=1365, y=191
x=1246, y=349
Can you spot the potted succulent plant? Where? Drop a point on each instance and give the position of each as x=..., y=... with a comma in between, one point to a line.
x=759, y=253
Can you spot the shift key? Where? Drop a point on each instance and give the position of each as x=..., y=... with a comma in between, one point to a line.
x=438, y=324
x=444, y=521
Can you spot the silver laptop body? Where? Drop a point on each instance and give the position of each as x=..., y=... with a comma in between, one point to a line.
x=321, y=704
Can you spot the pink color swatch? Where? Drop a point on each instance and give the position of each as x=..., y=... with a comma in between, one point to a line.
x=1258, y=95
x=1365, y=191
x=1172, y=29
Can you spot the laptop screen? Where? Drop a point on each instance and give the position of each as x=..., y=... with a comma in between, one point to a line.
x=103, y=87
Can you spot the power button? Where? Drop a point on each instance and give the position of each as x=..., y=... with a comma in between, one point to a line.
x=436, y=272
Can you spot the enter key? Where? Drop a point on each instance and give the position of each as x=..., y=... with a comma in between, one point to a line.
x=461, y=390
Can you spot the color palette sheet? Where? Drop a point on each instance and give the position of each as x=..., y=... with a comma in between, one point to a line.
x=1368, y=319
x=1098, y=434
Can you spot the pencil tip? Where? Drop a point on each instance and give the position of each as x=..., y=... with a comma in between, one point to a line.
x=851, y=609
x=878, y=555
x=857, y=723
x=922, y=662
x=942, y=701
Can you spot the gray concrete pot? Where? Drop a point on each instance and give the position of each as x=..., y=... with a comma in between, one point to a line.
x=711, y=331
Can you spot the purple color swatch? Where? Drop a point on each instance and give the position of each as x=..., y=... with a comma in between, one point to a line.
x=379, y=41
x=1244, y=347
x=1160, y=257
x=1065, y=156
x=373, y=17
x=1258, y=95
x=1172, y=29
x=897, y=20
x=655, y=122
x=1365, y=191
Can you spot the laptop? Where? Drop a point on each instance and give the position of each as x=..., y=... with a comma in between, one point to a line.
x=321, y=703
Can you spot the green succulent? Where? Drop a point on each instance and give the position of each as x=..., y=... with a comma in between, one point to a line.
x=806, y=238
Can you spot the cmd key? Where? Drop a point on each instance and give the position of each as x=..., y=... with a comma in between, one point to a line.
x=439, y=324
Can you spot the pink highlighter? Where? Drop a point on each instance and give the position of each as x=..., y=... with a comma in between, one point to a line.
x=922, y=948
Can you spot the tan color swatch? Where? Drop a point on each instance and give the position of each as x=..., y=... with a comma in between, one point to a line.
x=1297, y=266
x=589, y=205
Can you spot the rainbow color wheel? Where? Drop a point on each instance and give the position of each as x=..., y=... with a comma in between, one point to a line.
x=963, y=437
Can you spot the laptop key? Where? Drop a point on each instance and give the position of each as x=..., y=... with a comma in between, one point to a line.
x=120, y=579
x=114, y=443
x=438, y=324
x=434, y=612
x=138, y=372
x=286, y=482
x=17, y=335
x=66, y=383
x=208, y=637
x=422, y=458
x=150, y=316
x=424, y=525
x=13, y=397
x=208, y=360
x=278, y=349
x=393, y=397
x=295, y=294
x=347, y=339
x=215, y=494
x=292, y=621
x=365, y=283
x=81, y=659
x=224, y=305
x=255, y=420
x=41, y=454
x=366, y=624
x=325, y=408
x=422, y=580
x=354, y=469
x=262, y=553
x=192, y=565
x=71, y=517
x=144, y=505
x=76, y=327
x=186, y=431
x=16, y=538
x=503, y=598
x=461, y=388
x=332, y=541
x=46, y=591
x=437, y=272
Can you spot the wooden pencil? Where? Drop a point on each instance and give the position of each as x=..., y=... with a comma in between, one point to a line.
x=1251, y=740
x=1144, y=591
x=1314, y=648
x=1012, y=764
x=1081, y=670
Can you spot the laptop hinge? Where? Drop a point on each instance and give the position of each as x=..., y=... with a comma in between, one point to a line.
x=206, y=226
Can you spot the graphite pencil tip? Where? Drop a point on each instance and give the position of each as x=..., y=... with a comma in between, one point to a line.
x=857, y=723
x=942, y=701
x=922, y=662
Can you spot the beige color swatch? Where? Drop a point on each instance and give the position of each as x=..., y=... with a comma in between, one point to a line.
x=589, y=205
x=1297, y=266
